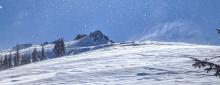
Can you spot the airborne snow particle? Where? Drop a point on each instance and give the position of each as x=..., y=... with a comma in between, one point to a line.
x=0, y=7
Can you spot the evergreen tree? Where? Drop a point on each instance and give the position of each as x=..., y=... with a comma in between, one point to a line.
x=29, y=58
x=207, y=64
x=43, y=55
x=59, y=47
x=1, y=62
x=10, y=60
x=26, y=58
x=35, y=56
x=15, y=60
x=5, y=61
x=62, y=51
x=17, y=56
x=23, y=60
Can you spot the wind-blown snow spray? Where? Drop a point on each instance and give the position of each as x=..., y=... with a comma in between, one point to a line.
x=177, y=31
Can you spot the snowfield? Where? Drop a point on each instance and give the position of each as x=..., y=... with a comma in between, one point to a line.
x=148, y=63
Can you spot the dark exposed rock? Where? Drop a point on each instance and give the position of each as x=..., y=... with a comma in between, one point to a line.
x=45, y=43
x=80, y=36
x=92, y=39
x=98, y=36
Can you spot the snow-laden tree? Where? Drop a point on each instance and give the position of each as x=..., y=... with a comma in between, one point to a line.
x=10, y=60
x=43, y=55
x=207, y=64
x=17, y=57
x=59, y=47
x=35, y=55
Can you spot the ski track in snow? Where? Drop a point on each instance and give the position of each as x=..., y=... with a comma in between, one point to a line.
x=122, y=64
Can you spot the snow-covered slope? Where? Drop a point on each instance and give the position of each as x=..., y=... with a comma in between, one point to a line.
x=122, y=64
x=92, y=41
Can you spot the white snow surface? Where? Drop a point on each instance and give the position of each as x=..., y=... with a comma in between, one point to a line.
x=121, y=64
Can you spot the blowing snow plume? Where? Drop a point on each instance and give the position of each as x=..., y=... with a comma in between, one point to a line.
x=178, y=31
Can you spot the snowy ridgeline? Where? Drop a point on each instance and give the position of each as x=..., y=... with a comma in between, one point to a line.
x=103, y=62
x=81, y=44
x=134, y=63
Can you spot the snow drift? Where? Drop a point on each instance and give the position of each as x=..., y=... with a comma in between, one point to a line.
x=148, y=63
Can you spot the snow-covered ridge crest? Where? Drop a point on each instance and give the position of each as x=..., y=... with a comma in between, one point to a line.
x=93, y=39
x=88, y=42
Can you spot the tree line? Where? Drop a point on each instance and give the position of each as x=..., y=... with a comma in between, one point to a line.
x=13, y=60
x=17, y=59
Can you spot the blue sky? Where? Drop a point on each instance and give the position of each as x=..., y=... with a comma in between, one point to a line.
x=36, y=21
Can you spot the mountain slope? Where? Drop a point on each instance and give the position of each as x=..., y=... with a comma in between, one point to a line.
x=149, y=63
x=92, y=41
